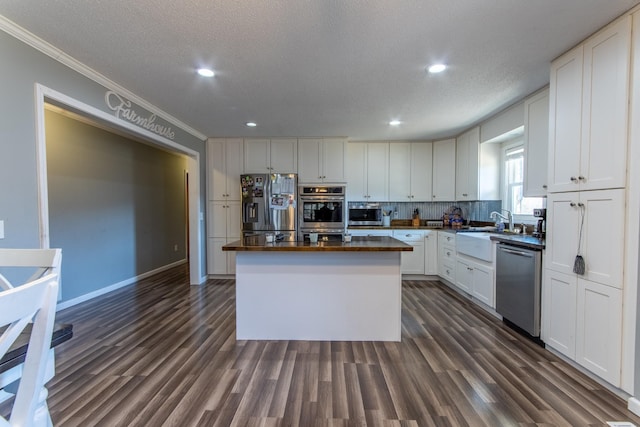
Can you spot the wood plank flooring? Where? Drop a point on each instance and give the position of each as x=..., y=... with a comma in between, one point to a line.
x=161, y=352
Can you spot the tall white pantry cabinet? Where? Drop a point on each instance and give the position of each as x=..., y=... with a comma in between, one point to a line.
x=587, y=179
x=225, y=163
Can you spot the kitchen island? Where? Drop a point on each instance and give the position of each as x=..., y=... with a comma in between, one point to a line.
x=328, y=291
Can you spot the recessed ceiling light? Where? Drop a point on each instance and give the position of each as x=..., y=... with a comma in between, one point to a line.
x=206, y=72
x=251, y=124
x=395, y=122
x=437, y=68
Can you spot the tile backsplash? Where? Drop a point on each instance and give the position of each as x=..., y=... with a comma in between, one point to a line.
x=475, y=211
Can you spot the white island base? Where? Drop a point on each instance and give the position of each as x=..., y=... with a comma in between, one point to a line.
x=327, y=296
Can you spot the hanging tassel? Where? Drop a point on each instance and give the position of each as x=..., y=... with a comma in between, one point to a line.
x=578, y=264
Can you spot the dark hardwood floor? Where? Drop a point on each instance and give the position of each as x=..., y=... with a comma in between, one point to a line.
x=164, y=353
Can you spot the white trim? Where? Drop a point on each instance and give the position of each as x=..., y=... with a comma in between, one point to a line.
x=116, y=286
x=630, y=348
x=634, y=405
x=193, y=167
x=48, y=49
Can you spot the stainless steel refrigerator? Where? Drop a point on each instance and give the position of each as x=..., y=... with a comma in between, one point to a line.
x=269, y=205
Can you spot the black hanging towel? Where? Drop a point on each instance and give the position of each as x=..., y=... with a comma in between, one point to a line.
x=578, y=264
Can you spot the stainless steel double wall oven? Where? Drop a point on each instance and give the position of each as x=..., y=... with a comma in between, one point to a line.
x=321, y=209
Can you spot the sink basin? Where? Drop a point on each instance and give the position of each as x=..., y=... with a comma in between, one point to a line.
x=477, y=245
x=478, y=229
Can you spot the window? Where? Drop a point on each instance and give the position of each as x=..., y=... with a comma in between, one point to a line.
x=514, y=199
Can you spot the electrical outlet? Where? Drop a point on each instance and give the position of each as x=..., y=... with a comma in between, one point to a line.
x=175, y=248
x=1, y=229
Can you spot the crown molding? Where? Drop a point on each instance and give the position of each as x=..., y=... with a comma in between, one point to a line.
x=48, y=49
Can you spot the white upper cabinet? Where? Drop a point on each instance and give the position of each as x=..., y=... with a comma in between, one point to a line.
x=224, y=167
x=536, y=143
x=284, y=155
x=410, y=166
x=270, y=155
x=321, y=160
x=467, y=159
x=444, y=171
x=588, y=112
x=477, y=168
x=368, y=171
x=257, y=157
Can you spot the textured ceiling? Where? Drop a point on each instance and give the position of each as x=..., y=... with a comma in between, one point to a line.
x=320, y=67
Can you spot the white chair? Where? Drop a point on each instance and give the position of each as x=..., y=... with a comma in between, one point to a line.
x=34, y=301
x=44, y=261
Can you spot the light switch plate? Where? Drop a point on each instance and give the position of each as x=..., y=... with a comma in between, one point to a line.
x=1, y=229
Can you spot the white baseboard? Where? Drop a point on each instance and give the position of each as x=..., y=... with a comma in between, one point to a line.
x=115, y=286
x=634, y=405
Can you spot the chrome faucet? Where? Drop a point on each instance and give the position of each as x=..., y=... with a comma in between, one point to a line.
x=508, y=217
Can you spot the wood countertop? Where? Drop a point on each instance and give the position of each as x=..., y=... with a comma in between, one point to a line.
x=357, y=244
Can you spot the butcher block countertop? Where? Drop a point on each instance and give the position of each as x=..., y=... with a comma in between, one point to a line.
x=357, y=244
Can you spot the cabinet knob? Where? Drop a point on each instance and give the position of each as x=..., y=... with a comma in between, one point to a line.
x=465, y=194
x=581, y=178
x=434, y=196
x=448, y=253
x=573, y=179
x=544, y=186
x=573, y=205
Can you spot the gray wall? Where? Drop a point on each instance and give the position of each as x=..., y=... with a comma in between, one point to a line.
x=21, y=67
x=116, y=206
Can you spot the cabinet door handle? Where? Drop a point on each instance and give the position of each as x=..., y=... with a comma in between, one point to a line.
x=544, y=186
x=465, y=194
x=573, y=205
x=448, y=253
x=582, y=178
x=573, y=179
x=469, y=269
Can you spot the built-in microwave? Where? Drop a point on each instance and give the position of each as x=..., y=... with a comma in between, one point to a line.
x=367, y=214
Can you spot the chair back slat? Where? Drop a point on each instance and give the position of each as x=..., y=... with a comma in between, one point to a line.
x=34, y=301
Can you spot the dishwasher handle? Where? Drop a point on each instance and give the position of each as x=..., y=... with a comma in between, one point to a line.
x=516, y=252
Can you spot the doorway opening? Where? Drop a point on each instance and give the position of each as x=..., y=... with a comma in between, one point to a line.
x=192, y=167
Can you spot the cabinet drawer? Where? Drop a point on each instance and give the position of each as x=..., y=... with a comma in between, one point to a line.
x=447, y=239
x=408, y=235
x=447, y=271
x=447, y=253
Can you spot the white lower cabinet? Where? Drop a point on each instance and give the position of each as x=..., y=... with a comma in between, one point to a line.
x=430, y=253
x=464, y=275
x=560, y=300
x=223, y=226
x=599, y=330
x=476, y=279
x=447, y=256
x=219, y=261
x=411, y=262
x=484, y=285
x=583, y=321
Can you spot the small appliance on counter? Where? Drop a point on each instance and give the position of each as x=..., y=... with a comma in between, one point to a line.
x=540, y=228
x=366, y=214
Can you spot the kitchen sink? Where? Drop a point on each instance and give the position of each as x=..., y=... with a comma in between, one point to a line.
x=476, y=244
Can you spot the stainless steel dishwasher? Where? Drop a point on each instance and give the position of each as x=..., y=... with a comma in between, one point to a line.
x=518, y=287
